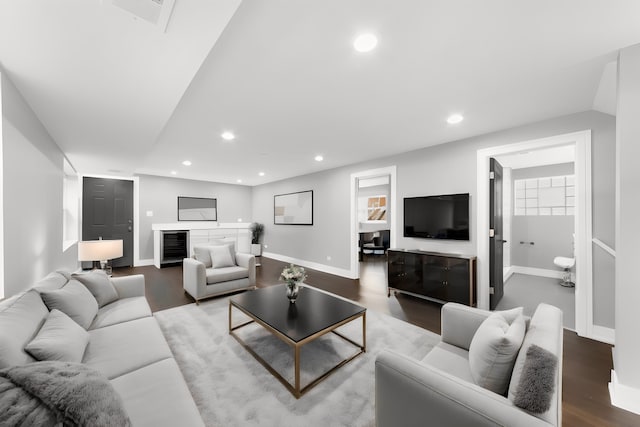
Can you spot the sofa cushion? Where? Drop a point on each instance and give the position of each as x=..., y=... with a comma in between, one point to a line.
x=451, y=359
x=52, y=281
x=537, y=383
x=60, y=338
x=493, y=351
x=217, y=275
x=99, y=285
x=157, y=395
x=21, y=316
x=73, y=299
x=122, y=310
x=221, y=256
x=125, y=347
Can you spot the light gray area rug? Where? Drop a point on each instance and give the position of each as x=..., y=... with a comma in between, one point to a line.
x=231, y=388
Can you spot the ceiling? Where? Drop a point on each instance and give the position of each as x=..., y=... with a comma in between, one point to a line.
x=122, y=96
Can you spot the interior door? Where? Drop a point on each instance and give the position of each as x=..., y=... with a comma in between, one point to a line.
x=107, y=212
x=495, y=234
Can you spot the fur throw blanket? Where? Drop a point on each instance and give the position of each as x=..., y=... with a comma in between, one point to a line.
x=58, y=393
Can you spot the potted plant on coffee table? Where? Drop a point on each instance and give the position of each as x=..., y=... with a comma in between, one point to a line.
x=257, y=230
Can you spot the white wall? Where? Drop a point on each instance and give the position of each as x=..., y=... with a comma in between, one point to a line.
x=32, y=181
x=626, y=390
x=160, y=196
x=363, y=195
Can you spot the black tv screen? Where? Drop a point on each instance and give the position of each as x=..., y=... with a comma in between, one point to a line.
x=437, y=217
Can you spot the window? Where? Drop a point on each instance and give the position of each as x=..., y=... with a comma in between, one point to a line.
x=377, y=208
x=70, y=206
x=553, y=195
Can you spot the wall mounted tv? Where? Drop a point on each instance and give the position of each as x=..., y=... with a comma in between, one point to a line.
x=437, y=217
x=197, y=209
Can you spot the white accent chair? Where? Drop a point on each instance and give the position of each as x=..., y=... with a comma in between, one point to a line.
x=203, y=280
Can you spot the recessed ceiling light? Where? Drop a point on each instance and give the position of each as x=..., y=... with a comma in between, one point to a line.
x=261, y=173
x=174, y=173
x=318, y=158
x=455, y=118
x=239, y=181
x=228, y=136
x=187, y=163
x=365, y=42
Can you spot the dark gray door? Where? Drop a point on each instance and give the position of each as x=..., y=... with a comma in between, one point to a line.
x=495, y=233
x=107, y=212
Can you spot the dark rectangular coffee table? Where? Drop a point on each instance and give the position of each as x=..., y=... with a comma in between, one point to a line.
x=316, y=313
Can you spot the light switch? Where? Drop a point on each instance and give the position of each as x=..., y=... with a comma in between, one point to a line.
x=149, y=213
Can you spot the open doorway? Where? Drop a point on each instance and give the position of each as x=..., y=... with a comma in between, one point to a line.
x=538, y=224
x=582, y=225
x=373, y=215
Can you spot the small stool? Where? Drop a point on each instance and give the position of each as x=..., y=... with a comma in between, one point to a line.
x=566, y=264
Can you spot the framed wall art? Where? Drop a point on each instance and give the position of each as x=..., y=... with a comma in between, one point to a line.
x=293, y=208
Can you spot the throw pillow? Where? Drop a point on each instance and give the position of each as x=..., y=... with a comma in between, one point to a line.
x=537, y=383
x=60, y=338
x=99, y=285
x=221, y=256
x=201, y=253
x=74, y=300
x=493, y=351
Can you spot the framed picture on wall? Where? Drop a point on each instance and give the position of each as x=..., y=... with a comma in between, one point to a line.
x=197, y=209
x=293, y=208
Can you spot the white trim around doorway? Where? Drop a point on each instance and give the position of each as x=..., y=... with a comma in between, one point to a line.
x=354, y=270
x=583, y=224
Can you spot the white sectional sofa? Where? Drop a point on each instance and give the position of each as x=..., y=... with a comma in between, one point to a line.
x=125, y=345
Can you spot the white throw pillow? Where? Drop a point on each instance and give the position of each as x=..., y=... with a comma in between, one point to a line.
x=201, y=253
x=221, y=256
x=60, y=338
x=74, y=300
x=99, y=285
x=494, y=349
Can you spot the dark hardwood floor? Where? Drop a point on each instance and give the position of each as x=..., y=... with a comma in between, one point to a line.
x=586, y=366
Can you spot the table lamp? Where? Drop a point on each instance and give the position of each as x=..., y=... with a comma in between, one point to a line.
x=100, y=252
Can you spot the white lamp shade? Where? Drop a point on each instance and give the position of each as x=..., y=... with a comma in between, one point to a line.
x=99, y=250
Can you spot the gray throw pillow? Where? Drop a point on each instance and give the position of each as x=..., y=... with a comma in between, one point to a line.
x=222, y=256
x=74, y=300
x=99, y=285
x=60, y=338
x=493, y=351
x=201, y=253
x=538, y=381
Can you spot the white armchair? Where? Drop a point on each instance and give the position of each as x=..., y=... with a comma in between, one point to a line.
x=202, y=278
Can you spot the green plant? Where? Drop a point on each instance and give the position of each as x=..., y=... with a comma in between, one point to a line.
x=257, y=230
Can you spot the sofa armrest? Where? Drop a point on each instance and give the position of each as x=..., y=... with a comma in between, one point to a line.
x=411, y=393
x=247, y=261
x=460, y=323
x=194, y=277
x=129, y=286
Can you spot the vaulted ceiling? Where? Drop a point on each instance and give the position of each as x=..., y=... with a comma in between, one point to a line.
x=122, y=96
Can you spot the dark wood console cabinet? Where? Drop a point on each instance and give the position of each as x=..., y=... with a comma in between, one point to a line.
x=432, y=275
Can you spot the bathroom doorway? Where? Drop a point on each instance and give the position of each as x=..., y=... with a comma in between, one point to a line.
x=538, y=226
x=583, y=223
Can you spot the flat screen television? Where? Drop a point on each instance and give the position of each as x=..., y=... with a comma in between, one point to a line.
x=437, y=217
x=197, y=209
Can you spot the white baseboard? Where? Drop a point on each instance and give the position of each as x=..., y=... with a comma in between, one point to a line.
x=622, y=396
x=603, y=334
x=310, y=264
x=143, y=262
x=507, y=274
x=542, y=272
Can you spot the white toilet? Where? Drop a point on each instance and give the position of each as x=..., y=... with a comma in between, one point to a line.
x=566, y=264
